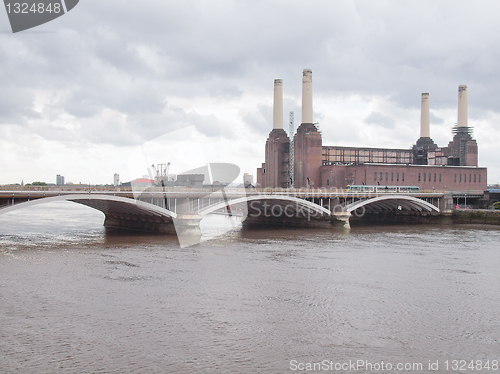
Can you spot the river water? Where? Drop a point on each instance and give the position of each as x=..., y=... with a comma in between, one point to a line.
x=74, y=299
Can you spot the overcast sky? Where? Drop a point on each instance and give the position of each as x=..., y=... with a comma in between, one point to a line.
x=81, y=95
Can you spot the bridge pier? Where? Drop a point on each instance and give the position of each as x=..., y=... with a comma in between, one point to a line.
x=130, y=222
x=268, y=222
x=342, y=217
x=187, y=227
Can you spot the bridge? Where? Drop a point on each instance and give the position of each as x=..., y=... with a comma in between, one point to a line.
x=168, y=210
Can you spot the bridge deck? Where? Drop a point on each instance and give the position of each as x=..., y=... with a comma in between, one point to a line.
x=192, y=193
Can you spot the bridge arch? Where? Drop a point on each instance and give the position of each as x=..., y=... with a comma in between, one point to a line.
x=389, y=202
x=120, y=212
x=281, y=200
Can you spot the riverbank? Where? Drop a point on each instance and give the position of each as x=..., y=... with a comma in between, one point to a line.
x=450, y=217
x=476, y=216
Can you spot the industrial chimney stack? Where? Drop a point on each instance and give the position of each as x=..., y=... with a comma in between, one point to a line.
x=307, y=100
x=275, y=170
x=462, y=106
x=424, y=143
x=278, y=104
x=307, y=143
x=424, y=117
x=463, y=148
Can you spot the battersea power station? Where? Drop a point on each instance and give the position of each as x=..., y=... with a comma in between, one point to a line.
x=305, y=162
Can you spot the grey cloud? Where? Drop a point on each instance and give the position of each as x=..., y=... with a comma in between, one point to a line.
x=16, y=106
x=211, y=126
x=125, y=97
x=435, y=119
x=377, y=118
x=224, y=90
x=260, y=119
x=118, y=57
x=366, y=50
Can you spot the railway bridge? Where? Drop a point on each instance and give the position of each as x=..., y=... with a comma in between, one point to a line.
x=170, y=210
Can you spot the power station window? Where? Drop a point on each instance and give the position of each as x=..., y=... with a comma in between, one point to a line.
x=479, y=178
x=460, y=178
x=434, y=177
x=375, y=178
x=392, y=177
x=386, y=177
x=455, y=178
x=465, y=178
x=429, y=177
x=470, y=178
x=425, y=177
x=474, y=178
x=403, y=177
x=440, y=177
x=397, y=177
x=381, y=177
x=419, y=177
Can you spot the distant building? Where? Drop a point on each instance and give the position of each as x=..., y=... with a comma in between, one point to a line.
x=247, y=180
x=190, y=180
x=142, y=182
x=116, y=179
x=59, y=180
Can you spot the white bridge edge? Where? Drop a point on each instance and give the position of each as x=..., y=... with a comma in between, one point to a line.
x=141, y=204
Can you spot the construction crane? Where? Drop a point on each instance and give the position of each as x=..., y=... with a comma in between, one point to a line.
x=160, y=173
x=160, y=176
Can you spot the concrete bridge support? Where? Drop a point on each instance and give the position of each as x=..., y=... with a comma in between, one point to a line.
x=287, y=222
x=342, y=218
x=128, y=214
x=154, y=225
x=187, y=228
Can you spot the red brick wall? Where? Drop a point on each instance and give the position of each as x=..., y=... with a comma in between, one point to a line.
x=276, y=174
x=467, y=178
x=260, y=176
x=471, y=153
x=307, y=156
x=333, y=176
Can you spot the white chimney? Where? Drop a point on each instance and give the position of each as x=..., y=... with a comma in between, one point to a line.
x=424, y=117
x=278, y=104
x=307, y=100
x=462, y=106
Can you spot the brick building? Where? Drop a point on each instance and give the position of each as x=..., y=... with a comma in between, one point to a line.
x=425, y=165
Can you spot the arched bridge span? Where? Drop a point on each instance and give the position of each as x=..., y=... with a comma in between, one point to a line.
x=120, y=212
x=393, y=202
x=288, y=205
